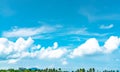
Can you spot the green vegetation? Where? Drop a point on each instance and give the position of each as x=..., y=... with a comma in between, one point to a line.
x=54, y=70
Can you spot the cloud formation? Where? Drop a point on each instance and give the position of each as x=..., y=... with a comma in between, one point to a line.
x=14, y=51
x=55, y=45
x=95, y=14
x=91, y=46
x=111, y=44
x=83, y=31
x=51, y=53
x=21, y=48
x=106, y=27
x=26, y=32
x=8, y=47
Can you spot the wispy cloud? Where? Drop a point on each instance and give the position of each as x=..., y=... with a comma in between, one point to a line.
x=26, y=32
x=95, y=14
x=83, y=31
x=12, y=61
x=106, y=26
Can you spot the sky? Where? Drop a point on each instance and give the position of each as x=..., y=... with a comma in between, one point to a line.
x=60, y=33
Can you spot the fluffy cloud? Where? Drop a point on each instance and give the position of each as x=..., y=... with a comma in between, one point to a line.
x=55, y=45
x=111, y=44
x=21, y=48
x=14, y=51
x=9, y=49
x=26, y=32
x=52, y=52
x=49, y=53
x=91, y=46
x=106, y=27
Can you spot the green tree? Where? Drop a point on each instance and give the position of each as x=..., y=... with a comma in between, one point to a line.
x=83, y=70
x=60, y=70
x=93, y=69
x=117, y=71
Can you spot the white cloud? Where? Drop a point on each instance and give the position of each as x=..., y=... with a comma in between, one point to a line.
x=12, y=61
x=9, y=49
x=21, y=44
x=64, y=61
x=78, y=31
x=91, y=46
x=55, y=45
x=106, y=27
x=14, y=51
x=26, y=32
x=83, y=31
x=51, y=53
x=111, y=44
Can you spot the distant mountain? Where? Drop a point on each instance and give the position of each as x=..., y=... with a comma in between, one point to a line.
x=34, y=68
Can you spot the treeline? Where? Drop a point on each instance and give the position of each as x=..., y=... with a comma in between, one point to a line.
x=55, y=70
x=93, y=70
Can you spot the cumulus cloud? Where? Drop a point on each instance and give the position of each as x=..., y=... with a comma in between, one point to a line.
x=26, y=32
x=21, y=48
x=111, y=44
x=91, y=46
x=51, y=52
x=9, y=49
x=106, y=27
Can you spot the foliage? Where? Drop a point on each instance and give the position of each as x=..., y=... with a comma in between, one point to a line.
x=55, y=70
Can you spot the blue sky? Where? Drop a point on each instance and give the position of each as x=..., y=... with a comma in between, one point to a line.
x=60, y=33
